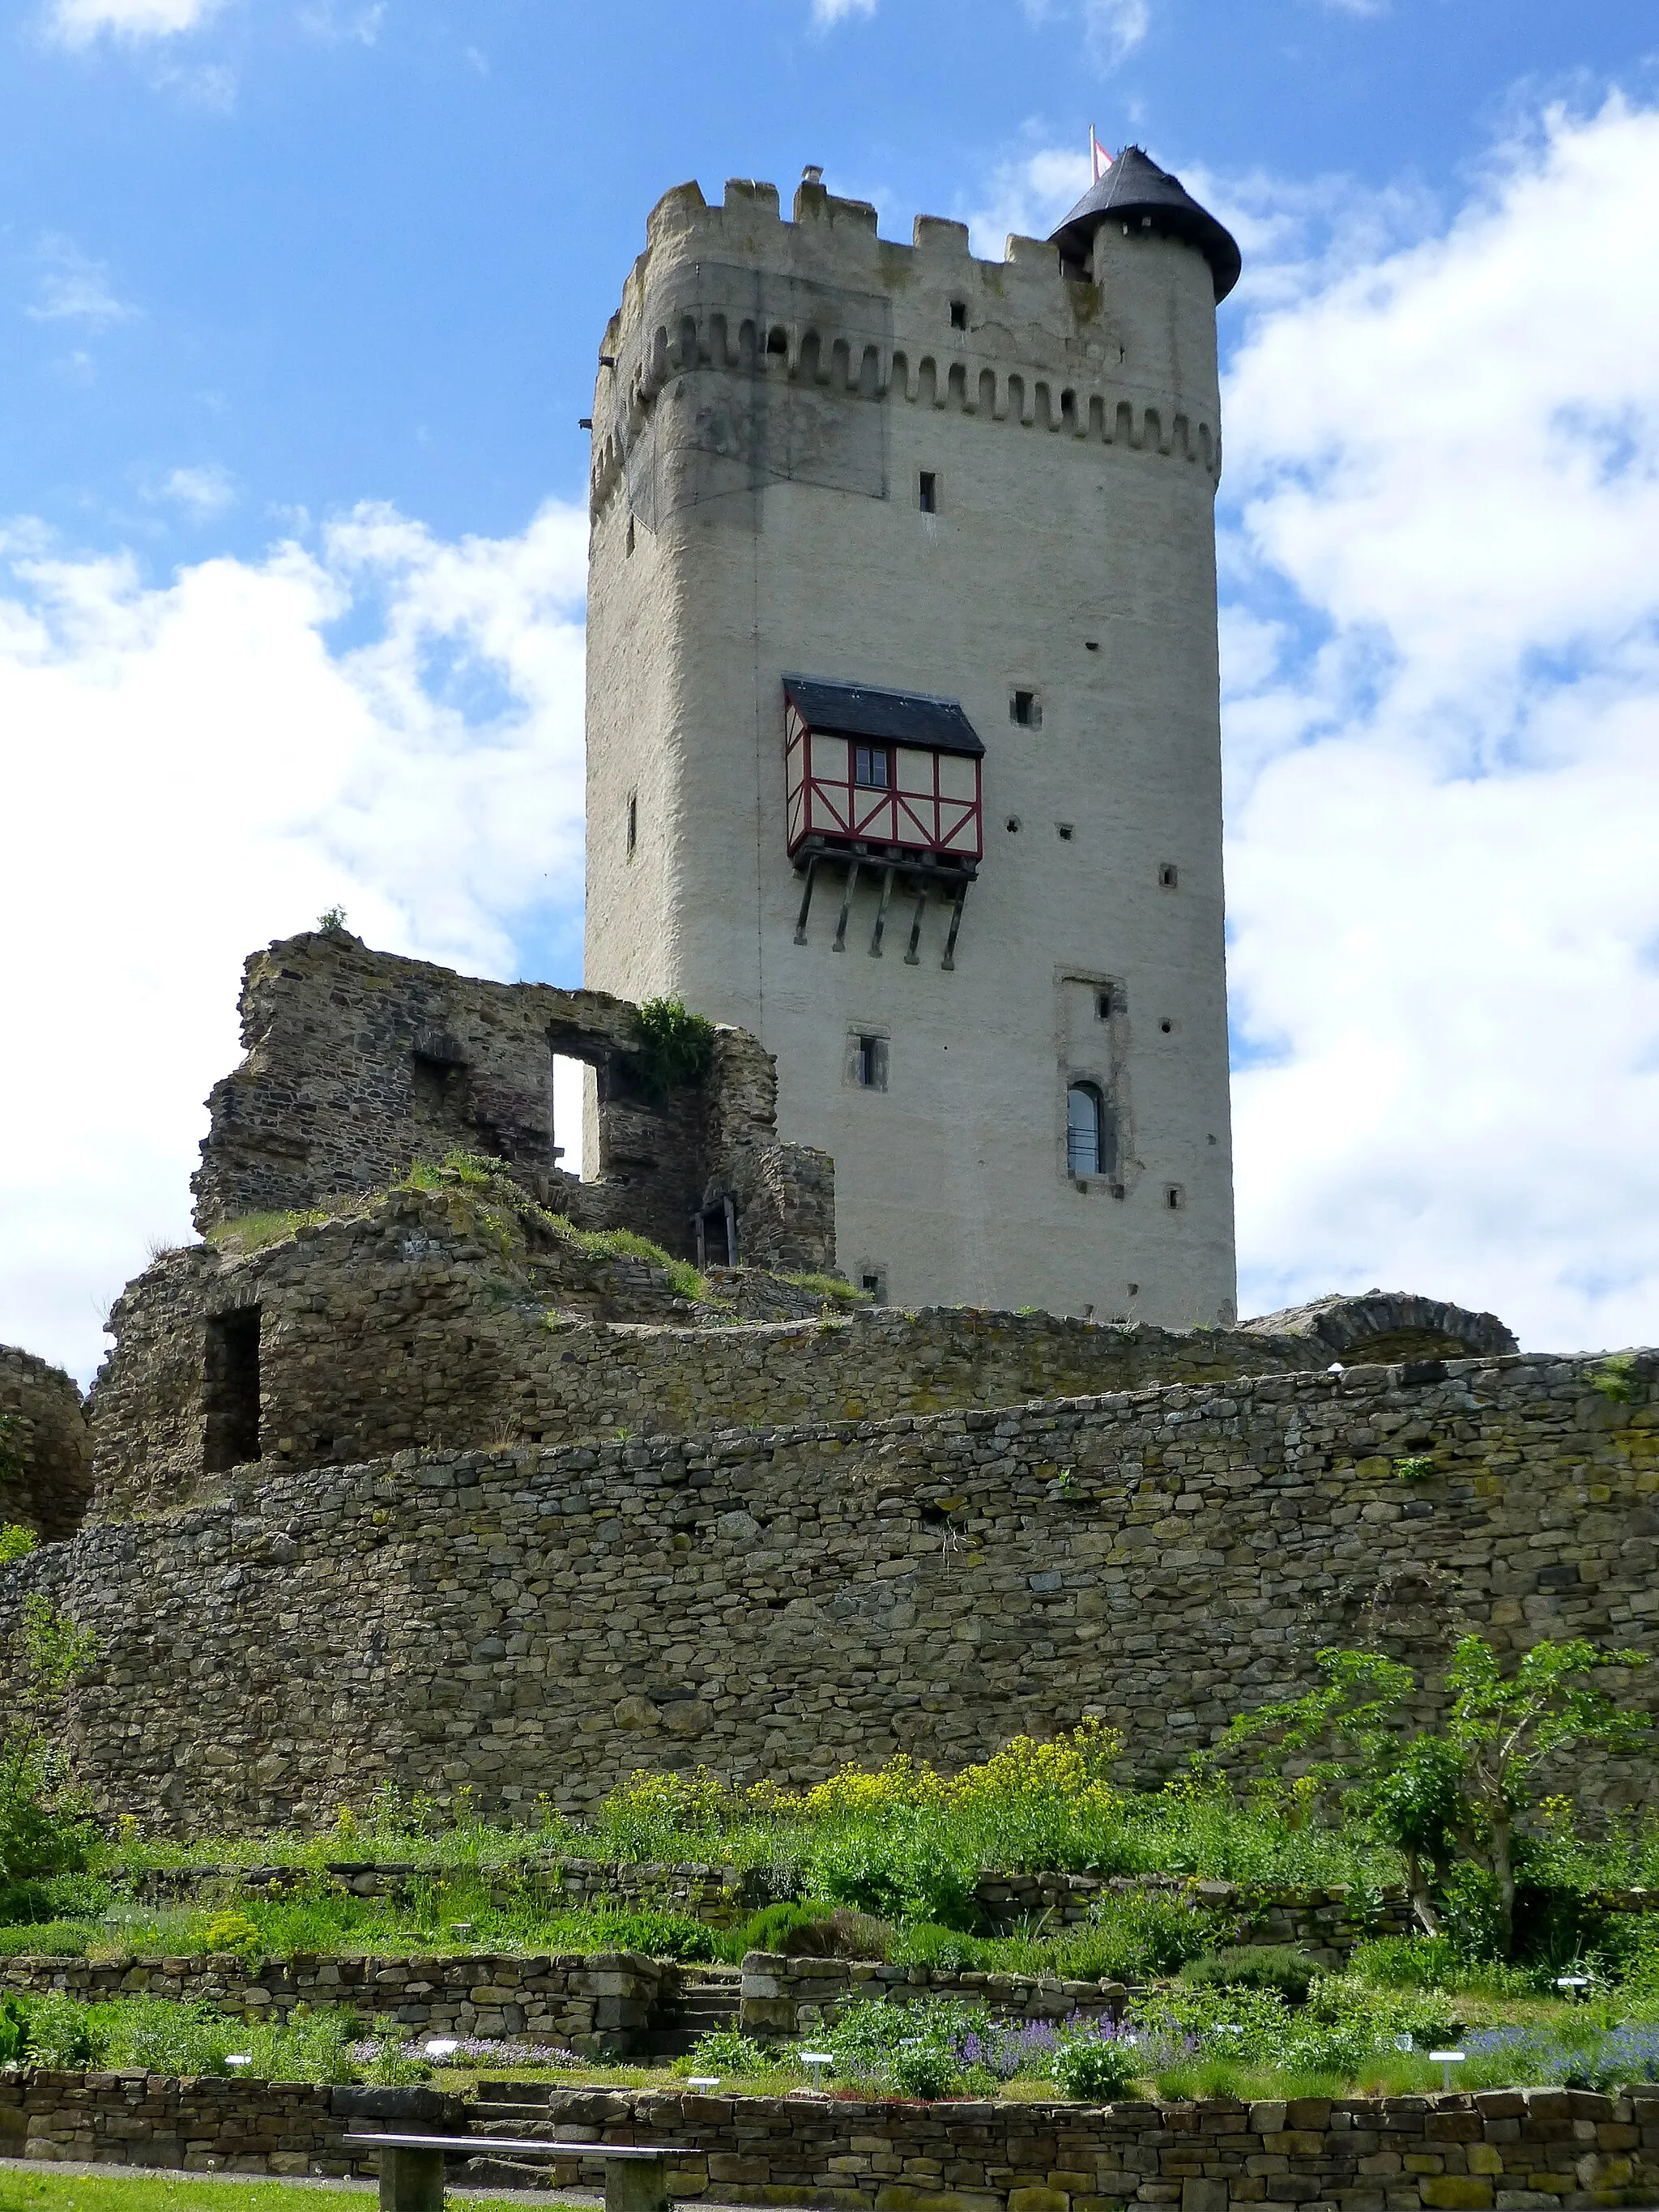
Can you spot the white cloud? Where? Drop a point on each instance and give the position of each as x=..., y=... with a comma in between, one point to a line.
x=827, y=13
x=1027, y=195
x=202, y=491
x=74, y=288
x=1442, y=732
x=337, y=27
x=195, y=767
x=77, y=22
x=1114, y=28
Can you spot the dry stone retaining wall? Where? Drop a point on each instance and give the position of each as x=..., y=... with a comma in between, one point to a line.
x=795, y=1998
x=776, y=1603
x=206, y=2123
x=1508, y=2150
x=592, y=2005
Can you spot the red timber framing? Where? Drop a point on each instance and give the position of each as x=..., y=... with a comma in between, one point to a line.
x=885, y=783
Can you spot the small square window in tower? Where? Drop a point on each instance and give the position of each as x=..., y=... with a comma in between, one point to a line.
x=890, y=775
x=866, y=1060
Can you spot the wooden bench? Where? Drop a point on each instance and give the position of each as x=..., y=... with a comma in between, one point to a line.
x=412, y=2167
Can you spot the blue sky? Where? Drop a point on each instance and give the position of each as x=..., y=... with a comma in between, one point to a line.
x=351, y=252
x=299, y=306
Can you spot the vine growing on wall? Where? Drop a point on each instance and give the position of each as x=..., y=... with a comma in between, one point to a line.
x=676, y=1047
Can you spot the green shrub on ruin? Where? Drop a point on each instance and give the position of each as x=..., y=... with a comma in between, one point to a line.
x=676, y=1047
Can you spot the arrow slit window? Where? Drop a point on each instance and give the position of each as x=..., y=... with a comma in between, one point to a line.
x=891, y=775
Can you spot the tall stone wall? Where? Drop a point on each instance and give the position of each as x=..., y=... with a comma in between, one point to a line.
x=776, y=1602
x=359, y=1062
x=456, y=1317
x=45, y=1454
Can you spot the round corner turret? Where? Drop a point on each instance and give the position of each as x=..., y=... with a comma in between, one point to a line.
x=1137, y=194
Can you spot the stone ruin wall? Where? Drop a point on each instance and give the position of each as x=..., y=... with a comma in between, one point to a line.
x=774, y=1603
x=359, y=1062
x=425, y=1323
x=45, y=1454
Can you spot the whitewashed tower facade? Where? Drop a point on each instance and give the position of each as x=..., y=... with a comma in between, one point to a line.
x=902, y=723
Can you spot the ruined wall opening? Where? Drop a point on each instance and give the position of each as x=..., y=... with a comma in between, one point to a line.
x=570, y=1079
x=230, y=1391
x=441, y=1089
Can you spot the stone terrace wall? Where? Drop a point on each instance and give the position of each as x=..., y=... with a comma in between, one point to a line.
x=592, y=2005
x=1325, y=1923
x=206, y=2123
x=425, y=1322
x=779, y=1602
x=359, y=1062
x=1507, y=2149
x=1502, y=2149
x=45, y=1454
x=795, y=1998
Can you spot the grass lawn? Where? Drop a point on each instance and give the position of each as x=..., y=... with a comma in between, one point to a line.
x=124, y=2192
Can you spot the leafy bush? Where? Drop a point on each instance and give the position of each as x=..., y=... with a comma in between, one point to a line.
x=658, y=1934
x=1255, y=1966
x=62, y=2031
x=170, y=2038
x=676, y=1047
x=923, y=2068
x=1096, y=2065
x=724, y=2050
x=898, y=1873
x=814, y=1930
x=230, y=1931
x=16, y=1542
x=13, y=2032
x=26, y=1904
x=1406, y=1962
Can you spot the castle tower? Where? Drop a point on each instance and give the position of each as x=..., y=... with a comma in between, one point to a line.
x=903, y=725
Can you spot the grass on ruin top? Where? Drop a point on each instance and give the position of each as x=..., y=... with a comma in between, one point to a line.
x=253, y=1232
x=832, y=1287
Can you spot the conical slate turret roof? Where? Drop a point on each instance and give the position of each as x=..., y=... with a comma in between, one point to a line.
x=1135, y=186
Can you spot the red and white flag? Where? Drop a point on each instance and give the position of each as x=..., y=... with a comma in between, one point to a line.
x=1098, y=155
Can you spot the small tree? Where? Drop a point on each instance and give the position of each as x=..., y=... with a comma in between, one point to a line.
x=43, y=1822
x=1457, y=1792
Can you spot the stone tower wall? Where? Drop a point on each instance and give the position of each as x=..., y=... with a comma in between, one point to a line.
x=45, y=1455
x=756, y=512
x=774, y=1603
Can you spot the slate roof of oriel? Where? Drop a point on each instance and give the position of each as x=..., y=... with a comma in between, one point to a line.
x=1135, y=186
x=861, y=710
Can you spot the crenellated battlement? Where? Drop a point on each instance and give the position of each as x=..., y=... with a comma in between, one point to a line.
x=823, y=304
